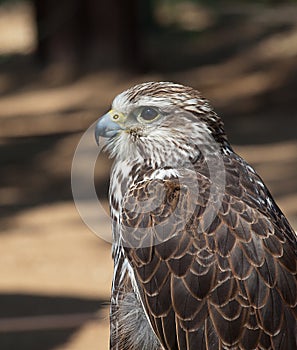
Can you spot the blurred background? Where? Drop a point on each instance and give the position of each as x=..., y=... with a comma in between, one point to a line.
x=61, y=64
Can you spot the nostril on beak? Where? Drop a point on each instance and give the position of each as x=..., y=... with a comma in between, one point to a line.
x=107, y=128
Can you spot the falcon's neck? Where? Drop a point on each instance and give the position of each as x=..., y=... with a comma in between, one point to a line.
x=127, y=171
x=124, y=174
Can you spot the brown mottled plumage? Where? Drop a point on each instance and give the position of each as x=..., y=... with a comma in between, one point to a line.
x=204, y=258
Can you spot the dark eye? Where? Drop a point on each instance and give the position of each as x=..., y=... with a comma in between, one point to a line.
x=148, y=113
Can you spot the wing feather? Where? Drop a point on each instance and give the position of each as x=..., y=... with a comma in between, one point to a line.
x=228, y=284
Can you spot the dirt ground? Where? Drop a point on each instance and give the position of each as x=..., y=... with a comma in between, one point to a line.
x=56, y=273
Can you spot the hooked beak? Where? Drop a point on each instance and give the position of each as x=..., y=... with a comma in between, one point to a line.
x=106, y=127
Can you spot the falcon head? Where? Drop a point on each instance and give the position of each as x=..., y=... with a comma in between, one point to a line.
x=162, y=122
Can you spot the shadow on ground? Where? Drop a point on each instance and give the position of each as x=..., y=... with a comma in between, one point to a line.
x=35, y=322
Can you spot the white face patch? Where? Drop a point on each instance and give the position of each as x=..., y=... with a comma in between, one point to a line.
x=121, y=103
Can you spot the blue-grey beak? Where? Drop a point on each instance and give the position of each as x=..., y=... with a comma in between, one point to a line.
x=105, y=127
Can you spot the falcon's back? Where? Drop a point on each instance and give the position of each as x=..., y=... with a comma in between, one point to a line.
x=229, y=284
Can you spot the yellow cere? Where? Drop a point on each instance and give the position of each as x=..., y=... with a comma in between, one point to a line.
x=117, y=116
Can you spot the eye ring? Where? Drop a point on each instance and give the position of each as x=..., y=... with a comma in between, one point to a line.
x=148, y=114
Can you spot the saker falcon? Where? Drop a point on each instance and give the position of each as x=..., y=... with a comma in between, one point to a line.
x=203, y=256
